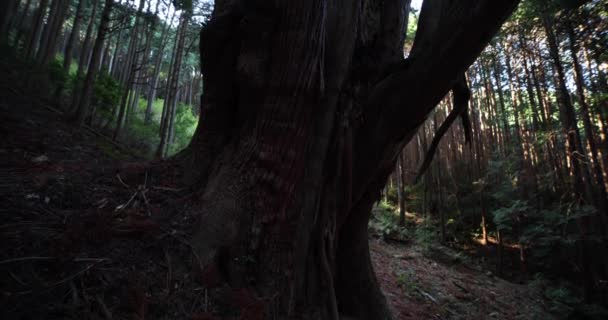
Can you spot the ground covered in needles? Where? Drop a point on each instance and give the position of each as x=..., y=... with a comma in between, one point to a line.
x=90, y=231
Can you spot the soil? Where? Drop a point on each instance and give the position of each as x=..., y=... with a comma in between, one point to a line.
x=88, y=232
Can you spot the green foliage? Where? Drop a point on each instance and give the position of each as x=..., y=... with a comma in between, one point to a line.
x=146, y=136
x=185, y=125
x=57, y=76
x=565, y=300
x=505, y=217
x=407, y=281
x=385, y=222
x=107, y=92
x=426, y=235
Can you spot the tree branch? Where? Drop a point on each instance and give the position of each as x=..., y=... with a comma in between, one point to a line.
x=452, y=35
x=461, y=94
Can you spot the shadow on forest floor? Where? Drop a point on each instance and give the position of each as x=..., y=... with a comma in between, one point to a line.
x=80, y=241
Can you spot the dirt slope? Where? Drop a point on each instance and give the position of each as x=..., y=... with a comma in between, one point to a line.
x=80, y=242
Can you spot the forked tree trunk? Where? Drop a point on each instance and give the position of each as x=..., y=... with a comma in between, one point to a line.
x=306, y=107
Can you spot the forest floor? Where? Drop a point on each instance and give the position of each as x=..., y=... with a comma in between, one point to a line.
x=440, y=284
x=86, y=234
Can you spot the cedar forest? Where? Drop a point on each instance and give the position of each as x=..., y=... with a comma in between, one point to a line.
x=320, y=159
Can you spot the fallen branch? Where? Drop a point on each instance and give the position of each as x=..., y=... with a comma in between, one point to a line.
x=96, y=260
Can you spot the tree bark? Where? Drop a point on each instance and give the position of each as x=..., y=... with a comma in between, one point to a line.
x=306, y=107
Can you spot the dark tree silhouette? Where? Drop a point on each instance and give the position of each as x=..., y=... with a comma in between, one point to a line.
x=306, y=107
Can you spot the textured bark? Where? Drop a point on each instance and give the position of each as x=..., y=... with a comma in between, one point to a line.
x=306, y=107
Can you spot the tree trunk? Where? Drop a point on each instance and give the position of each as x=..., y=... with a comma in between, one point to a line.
x=21, y=23
x=401, y=189
x=52, y=31
x=129, y=72
x=589, y=132
x=73, y=38
x=581, y=189
x=77, y=91
x=306, y=107
x=172, y=87
x=8, y=10
x=156, y=73
x=114, y=63
x=84, y=107
x=34, y=36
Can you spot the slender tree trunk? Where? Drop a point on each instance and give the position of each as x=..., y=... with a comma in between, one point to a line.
x=21, y=23
x=84, y=107
x=52, y=31
x=73, y=38
x=78, y=91
x=8, y=10
x=172, y=87
x=38, y=20
x=401, y=189
x=589, y=132
x=115, y=60
x=129, y=72
x=157, y=68
x=574, y=144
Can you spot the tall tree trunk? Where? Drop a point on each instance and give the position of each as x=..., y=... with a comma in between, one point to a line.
x=21, y=23
x=157, y=68
x=73, y=38
x=602, y=107
x=38, y=20
x=84, y=107
x=589, y=132
x=129, y=72
x=172, y=87
x=48, y=44
x=68, y=53
x=299, y=99
x=581, y=189
x=115, y=59
x=82, y=60
x=8, y=10
x=503, y=112
x=401, y=189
